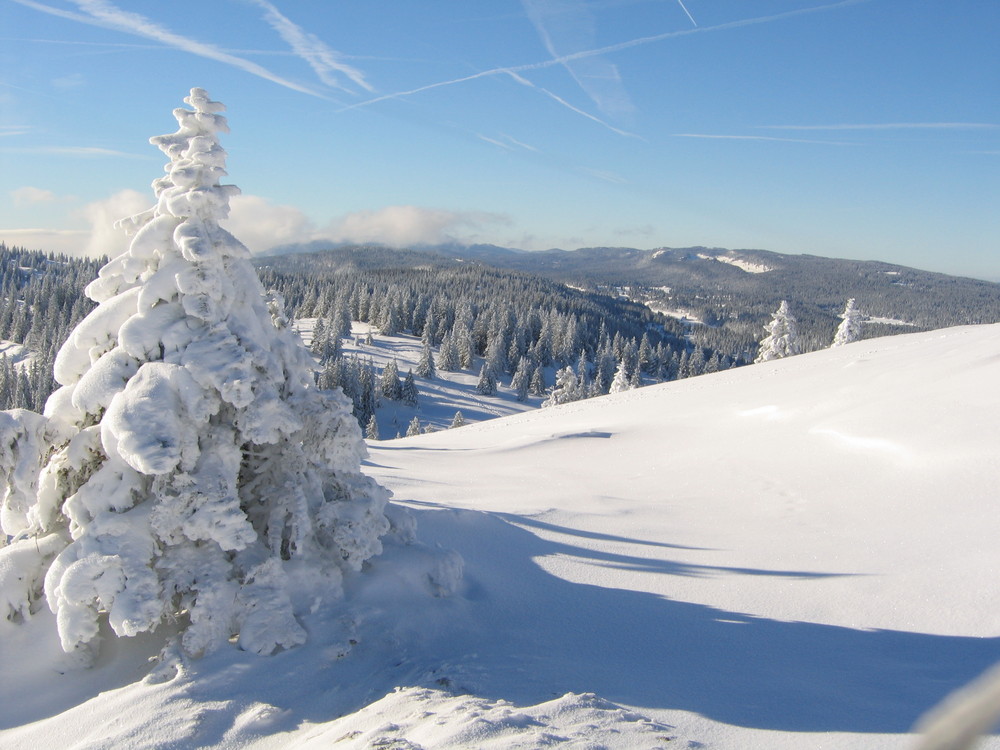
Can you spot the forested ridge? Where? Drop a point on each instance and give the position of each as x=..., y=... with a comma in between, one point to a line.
x=41, y=300
x=590, y=313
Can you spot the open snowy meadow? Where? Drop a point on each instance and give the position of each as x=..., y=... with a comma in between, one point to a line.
x=795, y=554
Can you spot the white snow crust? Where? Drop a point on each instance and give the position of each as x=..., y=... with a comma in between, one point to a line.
x=796, y=554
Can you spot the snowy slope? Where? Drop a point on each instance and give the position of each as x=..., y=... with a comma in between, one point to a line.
x=798, y=554
x=17, y=354
x=438, y=397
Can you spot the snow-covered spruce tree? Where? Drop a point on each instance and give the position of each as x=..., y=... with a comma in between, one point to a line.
x=782, y=338
x=850, y=327
x=487, y=385
x=187, y=470
x=621, y=381
x=566, y=389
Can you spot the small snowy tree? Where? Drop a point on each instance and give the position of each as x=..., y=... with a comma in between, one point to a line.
x=408, y=391
x=487, y=384
x=850, y=327
x=537, y=385
x=392, y=388
x=188, y=469
x=621, y=380
x=458, y=420
x=782, y=338
x=522, y=379
x=413, y=428
x=425, y=367
x=371, y=431
x=566, y=389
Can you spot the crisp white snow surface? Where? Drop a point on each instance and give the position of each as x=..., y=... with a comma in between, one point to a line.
x=796, y=554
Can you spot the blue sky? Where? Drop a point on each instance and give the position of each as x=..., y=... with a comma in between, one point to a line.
x=864, y=129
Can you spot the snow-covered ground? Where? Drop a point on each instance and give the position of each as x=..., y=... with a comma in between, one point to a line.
x=17, y=354
x=797, y=554
x=439, y=397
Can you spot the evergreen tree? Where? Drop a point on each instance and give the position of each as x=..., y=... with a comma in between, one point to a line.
x=448, y=355
x=537, y=386
x=621, y=381
x=414, y=427
x=392, y=389
x=408, y=393
x=187, y=470
x=371, y=431
x=318, y=344
x=522, y=379
x=458, y=420
x=425, y=366
x=487, y=384
x=849, y=329
x=566, y=389
x=782, y=338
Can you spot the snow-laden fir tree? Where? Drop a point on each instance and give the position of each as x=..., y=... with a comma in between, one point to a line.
x=413, y=428
x=566, y=389
x=408, y=391
x=487, y=384
x=187, y=470
x=850, y=327
x=522, y=379
x=425, y=366
x=391, y=386
x=620, y=382
x=782, y=338
x=371, y=429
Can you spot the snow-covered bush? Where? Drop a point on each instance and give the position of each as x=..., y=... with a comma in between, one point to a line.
x=187, y=469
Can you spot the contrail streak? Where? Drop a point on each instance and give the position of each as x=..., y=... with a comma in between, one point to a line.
x=321, y=58
x=513, y=70
x=684, y=8
x=106, y=15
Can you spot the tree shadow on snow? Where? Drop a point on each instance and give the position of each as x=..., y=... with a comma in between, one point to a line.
x=643, y=649
x=524, y=635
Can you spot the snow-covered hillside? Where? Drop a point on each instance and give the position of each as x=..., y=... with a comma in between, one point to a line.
x=797, y=554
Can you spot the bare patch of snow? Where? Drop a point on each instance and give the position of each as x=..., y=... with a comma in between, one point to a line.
x=890, y=322
x=17, y=354
x=742, y=263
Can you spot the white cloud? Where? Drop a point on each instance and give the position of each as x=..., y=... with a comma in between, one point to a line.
x=104, y=238
x=261, y=225
x=27, y=195
x=91, y=231
x=401, y=226
x=64, y=241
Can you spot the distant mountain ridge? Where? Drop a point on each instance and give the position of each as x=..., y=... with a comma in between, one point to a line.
x=732, y=291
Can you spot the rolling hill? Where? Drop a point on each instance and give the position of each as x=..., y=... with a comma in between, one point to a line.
x=798, y=554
